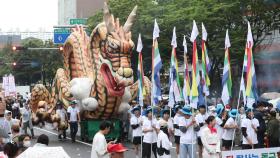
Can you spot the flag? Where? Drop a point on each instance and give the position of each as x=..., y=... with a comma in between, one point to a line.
x=156, y=66
x=205, y=63
x=226, y=81
x=174, y=82
x=186, y=88
x=195, y=70
x=249, y=68
x=140, y=73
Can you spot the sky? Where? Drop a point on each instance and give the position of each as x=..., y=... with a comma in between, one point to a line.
x=28, y=15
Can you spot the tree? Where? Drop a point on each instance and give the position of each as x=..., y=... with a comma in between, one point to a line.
x=216, y=15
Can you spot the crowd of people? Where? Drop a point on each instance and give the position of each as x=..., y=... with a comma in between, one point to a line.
x=206, y=131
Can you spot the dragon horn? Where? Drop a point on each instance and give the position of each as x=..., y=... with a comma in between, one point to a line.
x=108, y=18
x=129, y=22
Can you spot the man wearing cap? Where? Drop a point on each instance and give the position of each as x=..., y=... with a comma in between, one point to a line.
x=249, y=128
x=150, y=128
x=62, y=126
x=136, y=126
x=200, y=119
x=187, y=125
x=177, y=132
x=229, y=127
x=74, y=118
x=116, y=150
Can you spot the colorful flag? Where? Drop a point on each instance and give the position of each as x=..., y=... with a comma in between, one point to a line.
x=174, y=82
x=249, y=68
x=195, y=69
x=186, y=88
x=226, y=81
x=140, y=73
x=205, y=63
x=156, y=66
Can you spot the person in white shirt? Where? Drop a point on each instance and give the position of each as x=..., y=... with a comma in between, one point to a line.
x=187, y=125
x=136, y=125
x=63, y=123
x=177, y=132
x=163, y=143
x=200, y=119
x=249, y=128
x=10, y=119
x=74, y=119
x=210, y=139
x=26, y=119
x=150, y=128
x=165, y=115
x=229, y=127
x=99, y=144
x=221, y=119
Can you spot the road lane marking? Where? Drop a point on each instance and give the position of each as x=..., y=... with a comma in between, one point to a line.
x=66, y=137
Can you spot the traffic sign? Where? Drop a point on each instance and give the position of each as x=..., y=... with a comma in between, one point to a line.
x=60, y=35
x=78, y=21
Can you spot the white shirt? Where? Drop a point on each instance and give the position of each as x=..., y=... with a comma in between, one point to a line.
x=228, y=132
x=164, y=142
x=220, y=129
x=62, y=114
x=73, y=113
x=177, y=118
x=247, y=123
x=190, y=136
x=26, y=114
x=150, y=137
x=211, y=143
x=13, y=122
x=99, y=146
x=201, y=119
x=134, y=121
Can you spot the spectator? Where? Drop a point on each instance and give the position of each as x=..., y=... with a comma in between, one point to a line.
x=42, y=141
x=210, y=139
x=273, y=130
x=9, y=118
x=74, y=118
x=249, y=128
x=259, y=115
x=99, y=144
x=63, y=124
x=11, y=150
x=15, y=110
x=5, y=131
x=15, y=133
x=24, y=142
x=26, y=119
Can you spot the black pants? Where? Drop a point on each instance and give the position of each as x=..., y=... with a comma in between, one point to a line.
x=146, y=152
x=274, y=143
x=248, y=146
x=73, y=130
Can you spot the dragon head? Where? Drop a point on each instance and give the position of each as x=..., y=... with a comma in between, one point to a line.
x=112, y=46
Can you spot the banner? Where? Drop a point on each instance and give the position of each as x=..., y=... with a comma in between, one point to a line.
x=253, y=153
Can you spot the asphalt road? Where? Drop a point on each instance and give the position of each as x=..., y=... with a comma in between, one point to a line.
x=79, y=149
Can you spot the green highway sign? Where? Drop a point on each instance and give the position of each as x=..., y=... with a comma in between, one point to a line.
x=78, y=21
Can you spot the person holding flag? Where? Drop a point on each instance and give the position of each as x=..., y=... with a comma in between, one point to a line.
x=226, y=80
x=177, y=133
x=136, y=125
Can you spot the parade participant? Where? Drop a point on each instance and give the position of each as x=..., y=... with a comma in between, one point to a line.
x=259, y=114
x=212, y=111
x=187, y=125
x=74, y=118
x=165, y=115
x=163, y=143
x=11, y=150
x=273, y=130
x=210, y=139
x=230, y=125
x=42, y=141
x=62, y=125
x=200, y=119
x=26, y=119
x=150, y=134
x=116, y=150
x=136, y=125
x=221, y=119
x=99, y=144
x=177, y=132
x=249, y=128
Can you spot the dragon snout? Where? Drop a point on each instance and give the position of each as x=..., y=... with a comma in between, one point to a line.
x=125, y=72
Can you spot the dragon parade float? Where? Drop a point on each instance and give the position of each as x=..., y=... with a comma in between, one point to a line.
x=97, y=73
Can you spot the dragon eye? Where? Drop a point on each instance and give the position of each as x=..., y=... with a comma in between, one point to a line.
x=113, y=45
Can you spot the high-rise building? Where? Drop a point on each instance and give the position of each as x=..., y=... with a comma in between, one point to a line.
x=69, y=9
